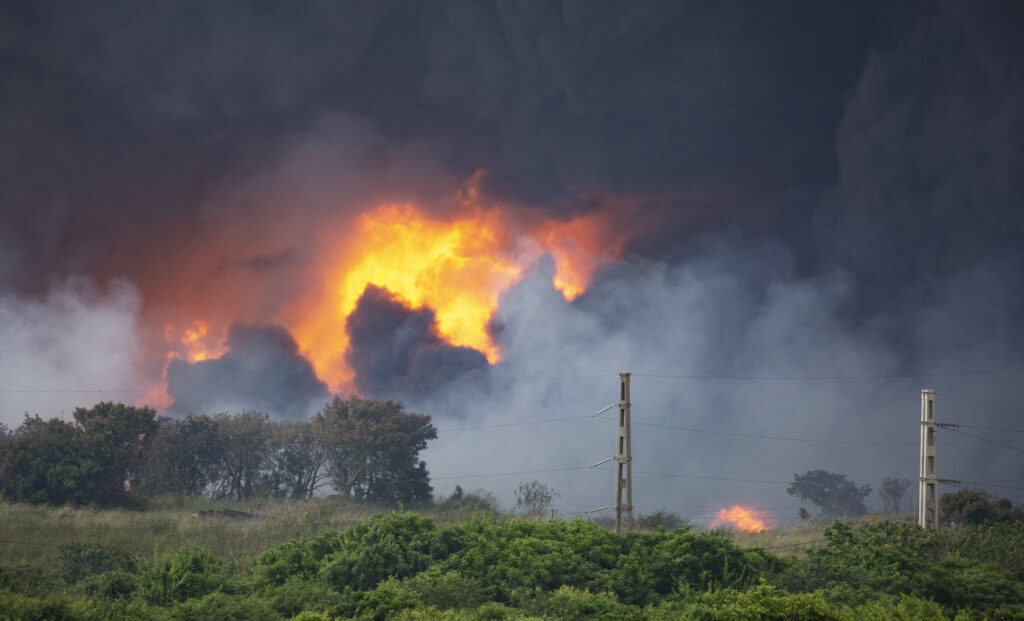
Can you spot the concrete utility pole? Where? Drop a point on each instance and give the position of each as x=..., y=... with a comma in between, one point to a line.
x=624, y=459
x=927, y=491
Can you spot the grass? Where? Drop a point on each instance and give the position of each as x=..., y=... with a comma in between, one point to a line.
x=33, y=534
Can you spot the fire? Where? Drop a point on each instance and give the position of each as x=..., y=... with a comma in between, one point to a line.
x=456, y=261
x=458, y=267
x=739, y=517
x=197, y=343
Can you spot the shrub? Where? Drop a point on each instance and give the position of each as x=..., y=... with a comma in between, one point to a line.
x=572, y=603
x=76, y=562
x=445, y=590
x=188, y=573
x=224, y=607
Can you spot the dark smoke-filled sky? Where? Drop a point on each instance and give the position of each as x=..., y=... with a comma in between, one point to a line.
x=793, y=216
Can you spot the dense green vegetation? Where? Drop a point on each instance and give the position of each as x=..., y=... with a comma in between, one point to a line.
x=365, y=449
x=221, y=522
x=407, y=566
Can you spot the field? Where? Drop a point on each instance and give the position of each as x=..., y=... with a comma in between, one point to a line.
x=34, y=533
x=335, y=558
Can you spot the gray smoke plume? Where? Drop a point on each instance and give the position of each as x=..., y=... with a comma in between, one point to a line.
x=262, y=370
x=397, y=352
x=823, y=190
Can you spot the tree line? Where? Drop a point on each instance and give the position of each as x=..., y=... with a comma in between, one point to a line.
x=364, y=449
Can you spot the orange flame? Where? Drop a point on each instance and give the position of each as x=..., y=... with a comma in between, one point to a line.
x=457, y=262
x=196, y=343
x=458, y=267
x=739, y=517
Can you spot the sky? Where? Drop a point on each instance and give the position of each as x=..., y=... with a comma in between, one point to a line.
x=784, y=219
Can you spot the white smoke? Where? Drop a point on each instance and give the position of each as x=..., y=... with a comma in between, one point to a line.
x=77, y=345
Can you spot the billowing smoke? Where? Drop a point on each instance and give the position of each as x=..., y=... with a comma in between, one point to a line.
x=397, y=351
x=818, y=191
x=262, y=370
x=76, y=345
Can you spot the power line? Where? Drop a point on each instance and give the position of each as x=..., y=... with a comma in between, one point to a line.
x=971, y=435
x=798, y=378
x=992, y=428
x=694, y=476
x=764, y=437
x=516, y=424
x=983, y=483
x=502, y=474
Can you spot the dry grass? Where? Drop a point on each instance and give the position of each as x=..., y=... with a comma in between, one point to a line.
x=795, y=540
x=33, y=534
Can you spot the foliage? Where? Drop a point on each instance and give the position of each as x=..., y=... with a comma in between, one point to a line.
x=246, y=449
x=75, y=562
x=184, y=457
x=372, y=449
x=533, y=499
x=297, y=462
x=368, y=449
x=87, y=461
x=856, y=566
x=186, y=574
x=475, y=502
x=966, y=507
x=831, y=492
x=405, y=566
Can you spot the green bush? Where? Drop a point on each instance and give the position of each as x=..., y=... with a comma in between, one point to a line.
x=188, y=573
x=224, y=607
x=445, y=590
x=76, y=562
x=117, y=584
x=862, y=565
x=572, y=603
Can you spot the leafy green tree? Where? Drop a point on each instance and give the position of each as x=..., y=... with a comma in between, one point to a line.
x=87, y=461
x=45, y=462
x=297, y=462
x=831, y=492
x=246, y=444
x=371, y=449
x=116, y=436
x=184, y=457
x=967, y=507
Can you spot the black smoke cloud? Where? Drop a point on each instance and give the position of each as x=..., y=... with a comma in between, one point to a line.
x=145, y=115
x=825, y=189
x=262, y=370
x=397, y=351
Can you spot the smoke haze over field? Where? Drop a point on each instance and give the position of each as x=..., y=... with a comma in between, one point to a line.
x=740, y=190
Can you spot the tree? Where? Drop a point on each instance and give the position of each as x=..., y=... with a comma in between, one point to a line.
x=184, y=457
x=297, y=462
x=245, y=441
x=371, y=449
x=892, y=491
x=44, y=462
x=87, y=461
x=534, y=498
x=967, y=507
x=831, y=492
